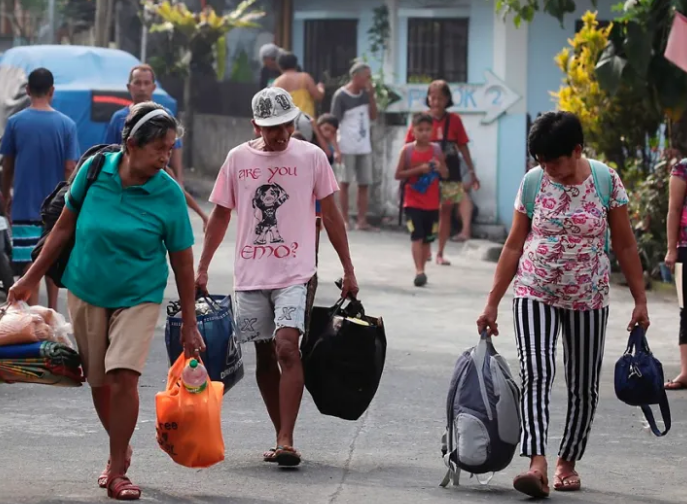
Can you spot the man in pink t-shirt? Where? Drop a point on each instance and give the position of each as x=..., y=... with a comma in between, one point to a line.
x=272, y=184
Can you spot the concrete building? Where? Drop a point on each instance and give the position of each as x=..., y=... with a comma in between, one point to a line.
x=510, y=72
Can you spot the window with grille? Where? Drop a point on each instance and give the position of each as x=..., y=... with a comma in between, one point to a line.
x=437, y=49
x=330, y=47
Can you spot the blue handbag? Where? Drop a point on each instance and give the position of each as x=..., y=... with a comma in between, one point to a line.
x=222, y=357
x=639, y=380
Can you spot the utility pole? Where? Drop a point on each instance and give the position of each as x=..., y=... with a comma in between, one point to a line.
x=101, y=19
x=51, y=21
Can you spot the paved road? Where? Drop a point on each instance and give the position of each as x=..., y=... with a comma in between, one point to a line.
x=52, y=448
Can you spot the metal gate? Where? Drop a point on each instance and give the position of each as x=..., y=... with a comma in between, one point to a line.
x=331, y=45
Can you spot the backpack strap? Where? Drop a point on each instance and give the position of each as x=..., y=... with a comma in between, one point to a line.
x=603, y=183
x=531, y=185
x=408, y=154
x=408, y=149
x=94, y=169
x=437, y=151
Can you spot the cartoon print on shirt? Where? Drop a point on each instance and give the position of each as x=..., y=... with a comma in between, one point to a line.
x=267, y=200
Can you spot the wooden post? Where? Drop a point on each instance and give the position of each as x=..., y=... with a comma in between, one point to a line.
x=283, y=31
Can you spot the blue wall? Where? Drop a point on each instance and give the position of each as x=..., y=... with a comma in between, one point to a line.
x=546, y=39
x=480, y=37
x=511, y=159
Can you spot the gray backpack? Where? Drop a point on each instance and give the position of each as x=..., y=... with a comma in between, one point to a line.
x=483, y=427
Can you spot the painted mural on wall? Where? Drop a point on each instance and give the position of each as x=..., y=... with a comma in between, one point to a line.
x=243, y=44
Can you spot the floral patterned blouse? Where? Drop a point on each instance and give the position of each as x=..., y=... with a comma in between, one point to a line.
x=680, y=171
x=564, y=263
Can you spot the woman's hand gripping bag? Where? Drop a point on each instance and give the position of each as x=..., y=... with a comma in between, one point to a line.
x=189, y=426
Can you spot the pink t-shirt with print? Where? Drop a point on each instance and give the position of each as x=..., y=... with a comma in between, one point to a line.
x=273, y=195
x=564, y=263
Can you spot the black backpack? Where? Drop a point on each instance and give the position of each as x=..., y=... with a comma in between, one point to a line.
x=52, y=207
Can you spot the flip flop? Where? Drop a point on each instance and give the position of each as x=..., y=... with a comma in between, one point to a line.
x=287, y=456
x=568, y=483
x=675, y=385
x=270, y=455
x=532, y=483
x=442, y=261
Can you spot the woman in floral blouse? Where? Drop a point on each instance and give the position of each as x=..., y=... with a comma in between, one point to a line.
x=561, y=269
x=677, y=252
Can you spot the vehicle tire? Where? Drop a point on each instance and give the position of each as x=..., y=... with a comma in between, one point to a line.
x=6, y=272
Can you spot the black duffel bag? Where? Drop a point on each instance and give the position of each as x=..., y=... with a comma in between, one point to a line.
x=343, y=359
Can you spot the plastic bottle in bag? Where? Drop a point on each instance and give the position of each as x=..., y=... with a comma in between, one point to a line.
x=194, y=377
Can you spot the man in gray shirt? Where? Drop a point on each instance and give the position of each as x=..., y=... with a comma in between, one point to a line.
x=355, y=107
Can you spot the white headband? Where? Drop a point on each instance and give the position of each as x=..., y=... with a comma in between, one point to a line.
x=145, y=119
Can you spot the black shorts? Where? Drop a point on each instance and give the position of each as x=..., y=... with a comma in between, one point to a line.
x=422, y=224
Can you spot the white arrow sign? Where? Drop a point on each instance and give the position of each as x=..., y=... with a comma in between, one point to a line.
x=492, y=98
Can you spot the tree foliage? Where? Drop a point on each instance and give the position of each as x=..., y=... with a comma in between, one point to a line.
x=524, y=10
x=617, y=132
x=195, y=40
x=633, y=58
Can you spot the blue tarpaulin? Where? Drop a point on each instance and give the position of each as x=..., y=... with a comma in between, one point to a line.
x=90, y=84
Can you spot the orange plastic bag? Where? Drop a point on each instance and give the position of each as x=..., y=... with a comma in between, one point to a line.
x=189, y=426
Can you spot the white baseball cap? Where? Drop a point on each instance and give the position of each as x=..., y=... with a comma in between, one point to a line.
x=274, y=106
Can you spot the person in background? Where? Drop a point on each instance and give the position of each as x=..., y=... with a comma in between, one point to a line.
x=677, y=253
x=300, y=85
x=562, y=281
x=124, y=247
x=275, y=255
x=326, y=128
x=40, y=149
x=421, y=199
x=354, y=106
x=269, y=53
x=448, y=130
x=142, y=86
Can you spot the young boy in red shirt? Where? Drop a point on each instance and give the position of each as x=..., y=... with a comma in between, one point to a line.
x=419, y=168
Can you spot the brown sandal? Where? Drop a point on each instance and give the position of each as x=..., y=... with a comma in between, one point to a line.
x=120, y=488
x=102, y=479
x=569, y=483
x=532, y=483
x=287, y=456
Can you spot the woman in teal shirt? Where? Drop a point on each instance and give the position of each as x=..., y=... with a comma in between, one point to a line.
x=133, y=215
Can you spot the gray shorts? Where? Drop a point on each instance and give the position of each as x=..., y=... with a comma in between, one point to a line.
x=357, y=168
x=259, y=314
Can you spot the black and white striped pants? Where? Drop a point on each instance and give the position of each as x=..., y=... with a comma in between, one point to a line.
x=537, y=326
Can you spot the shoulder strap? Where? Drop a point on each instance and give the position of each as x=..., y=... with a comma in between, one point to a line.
x=437, y=150
x=530, y=188
x=664, y=406
x=94, y=169
x=408, y=149
x=603, y=181
x=444, y=139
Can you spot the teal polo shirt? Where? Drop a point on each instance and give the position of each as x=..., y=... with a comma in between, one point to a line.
x=123, y=235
